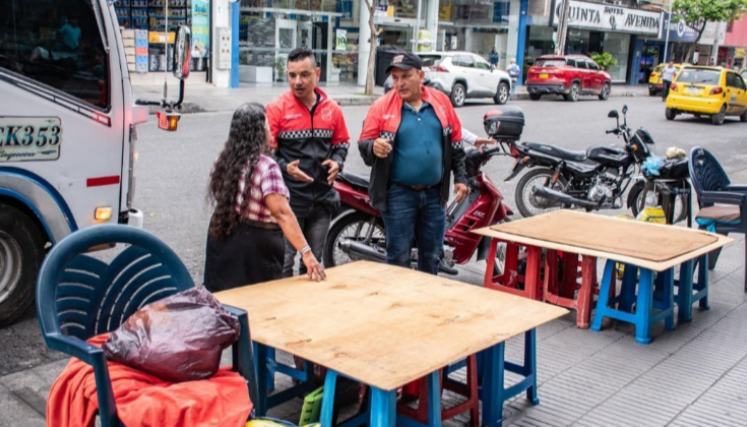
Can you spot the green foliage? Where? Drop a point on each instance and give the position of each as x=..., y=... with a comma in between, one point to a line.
x=604, y=60
x=696, y=13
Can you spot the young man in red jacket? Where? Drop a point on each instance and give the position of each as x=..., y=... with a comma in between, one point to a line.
x=412, y=139
x=310, y=140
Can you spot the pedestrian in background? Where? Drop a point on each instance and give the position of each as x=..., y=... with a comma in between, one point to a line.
x=494, y=57
x=513, y=72
x=667, y=75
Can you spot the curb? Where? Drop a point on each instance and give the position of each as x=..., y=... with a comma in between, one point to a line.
x=359, y=101
x=194, y=107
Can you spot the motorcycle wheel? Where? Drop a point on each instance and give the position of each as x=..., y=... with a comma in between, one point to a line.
x=352, y=227
x=639, y=198
x=528, y=204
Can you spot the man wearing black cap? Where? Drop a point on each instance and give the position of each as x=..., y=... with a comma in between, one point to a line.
x=412, y=138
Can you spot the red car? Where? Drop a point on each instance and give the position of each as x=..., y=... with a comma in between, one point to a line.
x=570, y=76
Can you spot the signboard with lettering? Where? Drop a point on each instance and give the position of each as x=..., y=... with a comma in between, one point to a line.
x=678, y=31
x=602, y=17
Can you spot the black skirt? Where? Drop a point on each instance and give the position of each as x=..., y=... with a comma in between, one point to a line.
x=248, y=256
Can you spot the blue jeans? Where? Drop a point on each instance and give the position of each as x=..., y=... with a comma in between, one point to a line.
x=412, y=215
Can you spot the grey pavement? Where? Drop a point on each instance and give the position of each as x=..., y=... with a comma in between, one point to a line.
x=693, y=376
x=201, y=97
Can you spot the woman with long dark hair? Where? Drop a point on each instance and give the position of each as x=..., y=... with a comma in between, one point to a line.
x=245, y=240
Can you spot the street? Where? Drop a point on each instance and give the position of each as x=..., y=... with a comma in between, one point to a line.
x=172, y=176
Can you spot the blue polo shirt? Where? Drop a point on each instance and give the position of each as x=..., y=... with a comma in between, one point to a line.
x=418, y=150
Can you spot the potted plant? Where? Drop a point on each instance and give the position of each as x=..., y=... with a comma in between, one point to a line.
x=604, y=60
x=279, y=69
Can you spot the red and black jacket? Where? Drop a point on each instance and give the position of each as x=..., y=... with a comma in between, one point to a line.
x=383, y=121
x=311, y=136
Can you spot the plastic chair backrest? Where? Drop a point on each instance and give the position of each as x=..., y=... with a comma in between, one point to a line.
x=706, y=173
x=82, y=296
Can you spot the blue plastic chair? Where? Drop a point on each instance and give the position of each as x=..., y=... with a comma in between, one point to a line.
x=714, y=187
x=78, y=297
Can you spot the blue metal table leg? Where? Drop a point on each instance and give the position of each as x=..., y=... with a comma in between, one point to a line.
x=530, y=364
x=384, y=408
x=261, y=369
x=702, y=285
x=492, y=389
x=644, y=305
x=604, y=296
x=685, y=292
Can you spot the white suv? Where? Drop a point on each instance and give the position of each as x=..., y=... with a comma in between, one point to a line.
x=463, y=75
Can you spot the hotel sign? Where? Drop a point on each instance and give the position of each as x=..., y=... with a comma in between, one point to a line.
x=604, y=17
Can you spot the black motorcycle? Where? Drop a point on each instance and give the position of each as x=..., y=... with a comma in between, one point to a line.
x=593, y=179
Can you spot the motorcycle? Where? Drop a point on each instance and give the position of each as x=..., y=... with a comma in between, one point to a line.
x=357, y=231
x=593, y=179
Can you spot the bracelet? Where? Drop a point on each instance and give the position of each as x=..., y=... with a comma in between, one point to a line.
x=305, y=249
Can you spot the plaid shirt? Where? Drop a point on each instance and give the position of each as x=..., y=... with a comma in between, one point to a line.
x=266, y=179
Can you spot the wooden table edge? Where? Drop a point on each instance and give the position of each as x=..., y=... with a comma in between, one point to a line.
x=395, y=386
x=651, y=265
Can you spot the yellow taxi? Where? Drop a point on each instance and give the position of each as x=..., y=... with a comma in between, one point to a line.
x=710, y=91
x=655, y=84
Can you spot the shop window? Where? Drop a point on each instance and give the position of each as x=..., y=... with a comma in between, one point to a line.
x=58, y=44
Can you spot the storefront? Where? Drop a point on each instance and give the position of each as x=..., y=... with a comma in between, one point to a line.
x=144, y=27
x=597, y=28
x=478, y=27
x=269, y=30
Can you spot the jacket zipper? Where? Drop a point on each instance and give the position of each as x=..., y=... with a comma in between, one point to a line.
x=313, y=147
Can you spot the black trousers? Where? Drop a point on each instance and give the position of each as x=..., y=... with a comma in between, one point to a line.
x=248, y=256
x=665, y=92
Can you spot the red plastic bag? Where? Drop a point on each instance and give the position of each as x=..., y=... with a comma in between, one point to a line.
x=179, y=338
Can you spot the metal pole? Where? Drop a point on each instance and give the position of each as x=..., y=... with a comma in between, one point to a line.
x=417, y=29
x=669, y=27
x=562, y=27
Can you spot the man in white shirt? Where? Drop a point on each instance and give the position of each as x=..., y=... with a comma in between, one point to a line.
x=667, y=75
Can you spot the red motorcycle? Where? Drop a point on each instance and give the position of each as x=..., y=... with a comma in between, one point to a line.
x=357, y=231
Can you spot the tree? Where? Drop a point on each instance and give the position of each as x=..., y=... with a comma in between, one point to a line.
x=372, y=54
x=697, y=13
x=604, y=60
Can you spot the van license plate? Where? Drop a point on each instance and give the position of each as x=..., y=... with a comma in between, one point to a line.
x=30, y=139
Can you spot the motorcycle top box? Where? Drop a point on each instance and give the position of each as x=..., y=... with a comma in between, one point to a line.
x=504, y=123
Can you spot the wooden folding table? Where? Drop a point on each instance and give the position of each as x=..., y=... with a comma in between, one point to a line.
x=387, y=326
x=640, y=246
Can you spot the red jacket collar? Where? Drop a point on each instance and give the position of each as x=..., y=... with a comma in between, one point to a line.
x=292, y=96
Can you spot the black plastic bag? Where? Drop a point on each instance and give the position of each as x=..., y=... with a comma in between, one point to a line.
x=179, y=338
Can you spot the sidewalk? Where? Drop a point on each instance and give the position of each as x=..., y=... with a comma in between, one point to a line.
x=693, y=376
x=201, y=97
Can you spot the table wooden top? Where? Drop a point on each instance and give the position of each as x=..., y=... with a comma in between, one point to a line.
x=653, y=246
x=383, y=325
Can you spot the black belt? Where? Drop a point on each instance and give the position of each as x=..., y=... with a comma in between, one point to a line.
x=260, y=224
x=418, y=187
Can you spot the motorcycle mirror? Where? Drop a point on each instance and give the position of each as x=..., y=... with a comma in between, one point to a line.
x=613, y=114
x=625, y=109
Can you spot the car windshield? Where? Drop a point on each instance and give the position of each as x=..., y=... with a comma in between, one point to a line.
x=550, y=63
x=710, y=77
